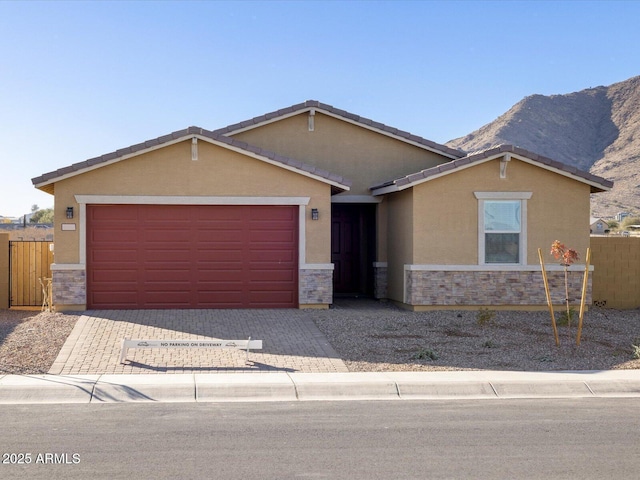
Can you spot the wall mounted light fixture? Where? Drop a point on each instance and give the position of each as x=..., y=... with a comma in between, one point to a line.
x=69, y=212
x=314, y=214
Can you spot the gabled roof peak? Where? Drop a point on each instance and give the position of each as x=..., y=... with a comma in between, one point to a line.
x=343, y=115
x=184, y=134
x=598, y=184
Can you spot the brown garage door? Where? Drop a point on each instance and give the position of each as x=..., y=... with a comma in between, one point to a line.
x=192, y=256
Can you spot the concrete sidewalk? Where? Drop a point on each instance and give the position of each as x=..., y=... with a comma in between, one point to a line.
x=281, y=386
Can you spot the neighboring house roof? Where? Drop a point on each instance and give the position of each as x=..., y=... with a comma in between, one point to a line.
x=45, y=182
x=315, y=105
x=593, y=220
x=598, y=184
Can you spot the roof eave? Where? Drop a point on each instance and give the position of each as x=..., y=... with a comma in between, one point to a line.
x=223, y=142
x=439, y=171
x=340, y=115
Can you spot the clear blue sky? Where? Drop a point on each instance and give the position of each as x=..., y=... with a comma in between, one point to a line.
x=79, y=79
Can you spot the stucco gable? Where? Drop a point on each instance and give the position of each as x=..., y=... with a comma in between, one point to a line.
x=597, y=184
x=314, y=105
x=46, y=181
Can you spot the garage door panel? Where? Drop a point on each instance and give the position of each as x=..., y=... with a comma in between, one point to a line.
x=284, y=275
x=167, y=235
x=273, y=214
x=272, y=236
x=267, y=299
x=176, y=276
x=115, y=299
x=111, y=256
x=116, y=275
x=231, y=237
x=273, y=256
x=167, y=255
x=221, y=276
x=152, y=256
x=228, y=299
x=110, y=235
x=115, y=213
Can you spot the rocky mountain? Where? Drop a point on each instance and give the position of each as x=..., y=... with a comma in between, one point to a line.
x=597, y=129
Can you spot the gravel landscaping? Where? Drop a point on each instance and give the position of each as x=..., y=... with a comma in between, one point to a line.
x=373, y=336
x=30, y=341
x=381, y=337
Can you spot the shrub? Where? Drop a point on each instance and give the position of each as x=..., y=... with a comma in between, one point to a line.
x=485, y=317
x=425, y=354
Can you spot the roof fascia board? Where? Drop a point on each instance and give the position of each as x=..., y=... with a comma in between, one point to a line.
x=204, y=139
x=272, y=120
x=89, y=168
x=344, y=119
x=388, y=134
x=396, y=188
x=561, y=172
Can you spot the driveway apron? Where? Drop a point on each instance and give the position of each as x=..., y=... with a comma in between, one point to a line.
x=291, y=343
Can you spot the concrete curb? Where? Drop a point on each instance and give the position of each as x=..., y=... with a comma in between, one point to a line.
x=26, y=389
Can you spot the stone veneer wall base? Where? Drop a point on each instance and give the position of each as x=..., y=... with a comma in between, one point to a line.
x=69, y=287
x=380, y=282
x=490, y=288
x=315, y=286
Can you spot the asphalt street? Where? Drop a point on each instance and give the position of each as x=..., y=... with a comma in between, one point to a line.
x=587, y=438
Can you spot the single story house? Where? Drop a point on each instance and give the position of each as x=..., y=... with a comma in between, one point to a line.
x=598, y=226
x=293, y=208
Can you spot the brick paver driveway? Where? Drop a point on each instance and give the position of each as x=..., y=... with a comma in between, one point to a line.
x=291, y=342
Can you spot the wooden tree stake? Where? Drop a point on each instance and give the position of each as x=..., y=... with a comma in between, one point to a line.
x=549, y=302
x=585, y=283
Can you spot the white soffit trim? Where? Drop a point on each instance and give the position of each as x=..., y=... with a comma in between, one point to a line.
x=344, y=119
x=188, y=200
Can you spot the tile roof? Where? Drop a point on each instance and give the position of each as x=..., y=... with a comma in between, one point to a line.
x=186, y=133
x=364, y=122
x=598, y=184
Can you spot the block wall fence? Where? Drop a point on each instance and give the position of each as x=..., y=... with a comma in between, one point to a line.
x=616, y=275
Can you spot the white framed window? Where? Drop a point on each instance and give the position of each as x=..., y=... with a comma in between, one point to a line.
x=502, y=228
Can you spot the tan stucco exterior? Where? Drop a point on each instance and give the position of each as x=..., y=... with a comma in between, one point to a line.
x=435, y=223
x=427, y=236
x=170, y=171
x=400, y=239
x=446, y=208
x=361, y=155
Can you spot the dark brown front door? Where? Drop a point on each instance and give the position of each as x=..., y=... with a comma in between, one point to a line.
x=353, y=248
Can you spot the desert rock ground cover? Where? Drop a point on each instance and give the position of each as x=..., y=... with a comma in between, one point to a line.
x=373, y=336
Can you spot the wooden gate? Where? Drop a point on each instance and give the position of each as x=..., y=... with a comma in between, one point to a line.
x=28, y=262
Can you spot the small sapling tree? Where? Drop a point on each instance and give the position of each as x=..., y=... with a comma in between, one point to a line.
x=567, y=256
